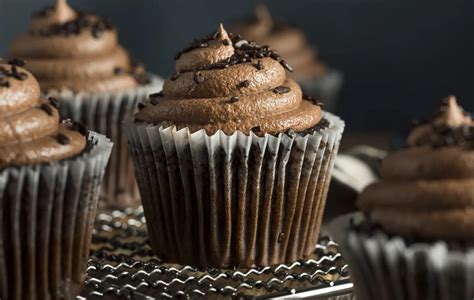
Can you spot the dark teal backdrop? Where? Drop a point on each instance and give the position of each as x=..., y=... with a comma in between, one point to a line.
x=399, y=56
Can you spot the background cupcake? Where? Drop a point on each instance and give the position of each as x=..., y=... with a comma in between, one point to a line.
x=233, y=164
x=314, y=76
x=424, y=209
x=50, y=176
x=77, y=58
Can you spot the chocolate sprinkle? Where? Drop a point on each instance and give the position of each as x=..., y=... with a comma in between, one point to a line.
x=233, y=99
x=243, y=84
x=156, y=95
x=79, y=127
x=198, y=77
x=46, y=108
x=175, y=76
x=141, y=106
x=312, y=100
x=62, y=139
x=281, y=89
x=119, y=71
x=226, y=42
x=17, y=62
x=4, y=83
x=259, y=65
x=54, y=102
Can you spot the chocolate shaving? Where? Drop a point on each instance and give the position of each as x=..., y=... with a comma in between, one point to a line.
x=54, y=102
x=233, y=99
x=47, y=108
x=17, y=62
x=156, y=95
x=62, y=139
x=281, y=89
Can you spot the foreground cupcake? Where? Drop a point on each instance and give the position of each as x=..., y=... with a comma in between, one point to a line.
x=424, y=209
x=78, y=60
x=232, y=163
x=314, y=76
x=50, y=176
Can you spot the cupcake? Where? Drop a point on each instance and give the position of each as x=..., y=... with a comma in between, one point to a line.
x=417, y=238
x=77, y=59
x=50, y=176
x=233, y=165
x=314, y=76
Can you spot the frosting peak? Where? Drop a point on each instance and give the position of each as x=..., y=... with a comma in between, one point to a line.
x=74, y=50
x=60, y=13
x=227, y=83
x=450, y=126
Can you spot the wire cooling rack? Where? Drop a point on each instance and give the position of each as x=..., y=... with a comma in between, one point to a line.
x=123, y=266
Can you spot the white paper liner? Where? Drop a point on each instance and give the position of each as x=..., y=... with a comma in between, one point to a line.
x=46, y=217
x=104, y=113
x=384, y=267
x=326, y=88
x=233, y=200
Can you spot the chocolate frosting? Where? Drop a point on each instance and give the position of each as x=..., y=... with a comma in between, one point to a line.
x=68, y=49
x=289, y=41
x=30, y=131
x=428, y=188
x=230, y=84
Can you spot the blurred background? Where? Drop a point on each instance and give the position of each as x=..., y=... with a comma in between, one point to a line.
x=399, y=58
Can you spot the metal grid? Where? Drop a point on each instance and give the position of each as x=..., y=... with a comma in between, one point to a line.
x=122, y=266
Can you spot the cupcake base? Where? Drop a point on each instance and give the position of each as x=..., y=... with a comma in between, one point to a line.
x=390, y=267
x=233, y=200
x=104, y=113
x=46, y=217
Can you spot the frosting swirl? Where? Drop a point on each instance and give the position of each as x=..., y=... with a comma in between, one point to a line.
x=68, y=49
x=30, y=131
x=290, y=42
x=230, y=84
x=428, y=188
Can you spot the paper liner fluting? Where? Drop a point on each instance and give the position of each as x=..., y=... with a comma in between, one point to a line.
x=104, y=113
x=46, y=217
x=326, y=88
x=233, y=200
x=385, y=267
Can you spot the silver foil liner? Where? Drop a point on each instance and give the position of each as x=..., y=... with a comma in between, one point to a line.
x=326, y=88
x=386, y=267
x=233, y=200
x=104, y=113
x=46, y=217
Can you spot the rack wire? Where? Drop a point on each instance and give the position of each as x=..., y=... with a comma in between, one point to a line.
x=123, y=266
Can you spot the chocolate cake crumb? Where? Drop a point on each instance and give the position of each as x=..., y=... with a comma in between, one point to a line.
x=62, y=139
x=46, y=108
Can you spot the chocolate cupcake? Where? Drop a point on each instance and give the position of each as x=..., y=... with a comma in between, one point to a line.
x=50, y=176
x=78, y=60
x=313, y=74
x=232, y=163
x=417, y=239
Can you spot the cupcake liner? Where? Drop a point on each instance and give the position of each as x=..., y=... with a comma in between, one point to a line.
x=385, y=267
x=325, y=88
x=104, y=113
x=233, y=200
x=46, y=217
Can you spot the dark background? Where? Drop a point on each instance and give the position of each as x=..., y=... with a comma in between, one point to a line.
x=399, y=57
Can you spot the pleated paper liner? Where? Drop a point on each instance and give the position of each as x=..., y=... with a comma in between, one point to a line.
x=104, y=113
x=233, y=200
x=46, y=216
x=389, y=267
